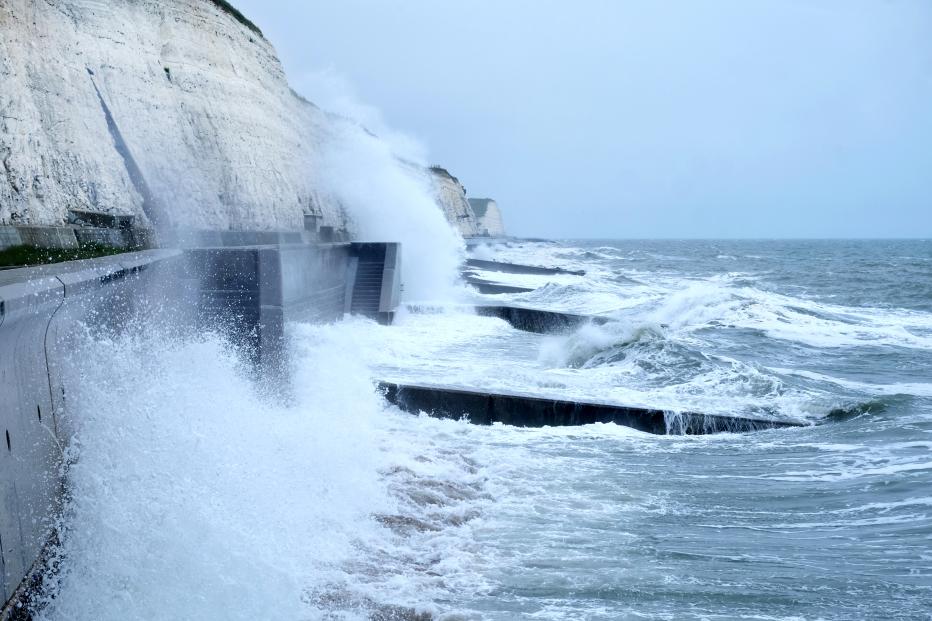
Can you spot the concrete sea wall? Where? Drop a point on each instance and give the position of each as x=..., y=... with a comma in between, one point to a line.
x=250, y=292
x=39, y=309
x=247, y=292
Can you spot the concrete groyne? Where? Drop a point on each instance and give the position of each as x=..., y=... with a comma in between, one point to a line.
x=517, y=268
x=492, y=288
x=483, y=285
x=538, y=320
x=521, y=410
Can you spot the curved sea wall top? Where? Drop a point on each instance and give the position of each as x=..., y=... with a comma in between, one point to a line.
x=177, y=113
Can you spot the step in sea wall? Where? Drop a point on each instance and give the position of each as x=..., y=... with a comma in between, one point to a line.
x=251, y=292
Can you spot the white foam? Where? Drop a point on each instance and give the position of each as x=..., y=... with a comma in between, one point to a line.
x=191, y=496
x=483, y=251
x=197, y=498
x=697, y=304
x=393, y=203
x=483, y=352
x=918, y=389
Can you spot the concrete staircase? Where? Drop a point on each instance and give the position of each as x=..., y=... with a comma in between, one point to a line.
x=367, y=290
x=376, y=281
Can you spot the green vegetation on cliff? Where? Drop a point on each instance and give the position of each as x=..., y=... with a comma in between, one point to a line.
x=23, y=256
x=232, y=10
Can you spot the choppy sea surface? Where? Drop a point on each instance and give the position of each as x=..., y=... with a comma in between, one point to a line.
x=194, y=495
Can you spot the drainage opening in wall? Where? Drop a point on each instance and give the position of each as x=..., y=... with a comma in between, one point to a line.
x=8, y=446
x=39, y=412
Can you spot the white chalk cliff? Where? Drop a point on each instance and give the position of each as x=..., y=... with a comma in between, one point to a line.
x=488, y=217
x=176, y=112
x=450, y=194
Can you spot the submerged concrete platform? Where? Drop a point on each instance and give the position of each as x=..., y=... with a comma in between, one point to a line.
x=537, y=320
x=521, y=410
x=492, y=288
x=517, y=268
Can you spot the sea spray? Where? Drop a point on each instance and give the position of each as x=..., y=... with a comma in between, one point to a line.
x=191, y=498
x=333, y=91
x=597, y=522
x=379, y=176
x=191, y=494
x=389, y=200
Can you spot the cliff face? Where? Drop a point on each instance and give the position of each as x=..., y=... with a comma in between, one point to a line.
x=451, y=196
x=177, y=113
x=143, y=108
x=488, y=217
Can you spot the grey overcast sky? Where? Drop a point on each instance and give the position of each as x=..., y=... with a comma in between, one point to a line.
x=655, y=118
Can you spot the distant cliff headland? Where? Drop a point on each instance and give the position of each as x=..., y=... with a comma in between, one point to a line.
x=177, y=114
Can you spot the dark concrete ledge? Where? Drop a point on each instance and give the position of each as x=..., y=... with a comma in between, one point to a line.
x=539, y=321
x=516, y=268
x=484, y=408
x=489, y=287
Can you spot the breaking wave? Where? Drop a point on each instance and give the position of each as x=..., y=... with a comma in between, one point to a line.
x=192, y=495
